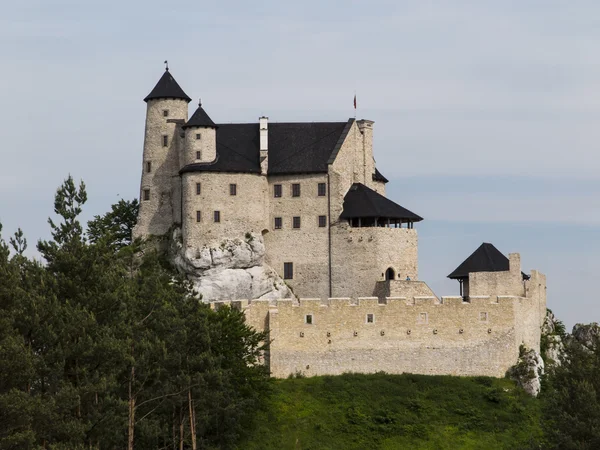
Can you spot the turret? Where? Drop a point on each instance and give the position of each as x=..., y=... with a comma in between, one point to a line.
x=200, y=138
x=166, y=111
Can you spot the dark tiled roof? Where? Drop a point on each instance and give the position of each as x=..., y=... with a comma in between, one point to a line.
x=200, y=119
x=378, y=177
x=302, y=147
x=361, y=201
x=293, y=148
x=486, y=258
x=167, y=87
x=237, y=150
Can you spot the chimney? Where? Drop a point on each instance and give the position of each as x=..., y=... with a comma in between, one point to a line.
x=264, y=144
x=514, y=262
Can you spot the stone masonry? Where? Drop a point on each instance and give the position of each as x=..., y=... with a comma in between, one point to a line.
x=331, y=264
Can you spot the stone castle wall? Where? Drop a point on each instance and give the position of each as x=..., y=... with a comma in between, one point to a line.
x=361, y=256
x=156, y=214
x=239, y=214
x=306, y=247
x=413, y=335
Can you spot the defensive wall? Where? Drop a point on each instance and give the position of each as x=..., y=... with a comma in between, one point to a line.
x=420, y=334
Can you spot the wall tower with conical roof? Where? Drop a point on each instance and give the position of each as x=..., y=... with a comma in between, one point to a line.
x=200, y=138
x=166, y=112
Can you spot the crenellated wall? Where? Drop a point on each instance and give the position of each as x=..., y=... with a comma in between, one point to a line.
x=418, y=334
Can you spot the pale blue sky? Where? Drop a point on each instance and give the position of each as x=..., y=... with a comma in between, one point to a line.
x=485, y=112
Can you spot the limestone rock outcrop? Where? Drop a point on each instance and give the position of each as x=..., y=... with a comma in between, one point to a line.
x=587, y=335
x=528, y=371
x=233, y=270
x=553, y=345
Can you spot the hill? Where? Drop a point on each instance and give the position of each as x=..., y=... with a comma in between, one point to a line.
x=383, y=411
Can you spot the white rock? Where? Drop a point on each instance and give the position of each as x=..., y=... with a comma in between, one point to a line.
x=234, y=270
x=528, y=371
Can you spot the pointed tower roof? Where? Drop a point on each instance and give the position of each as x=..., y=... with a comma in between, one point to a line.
x=200, y=119
x=167, y=87
x=486, y=258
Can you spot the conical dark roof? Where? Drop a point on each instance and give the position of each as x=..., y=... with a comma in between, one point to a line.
x=200, y=119
x=167, y=87
x=361, y=201
x=486, y=258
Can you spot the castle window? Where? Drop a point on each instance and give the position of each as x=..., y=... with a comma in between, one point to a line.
x=483, y=316
x=296, y=222
x=322, y=221
x=370, y=318
x=423, y=318
x=217, y=216
x=322, y=189
x=146, y=194
x=233, y=189
x=148, y=166
x=198, y=216
x=288, y=271
x=165, y=140
x=198, y=155
x=165, y=113
x=198, y=188
x=278, y=223
x=296, y=190
x=198, y=136
x=308, y=319
x=277, y=190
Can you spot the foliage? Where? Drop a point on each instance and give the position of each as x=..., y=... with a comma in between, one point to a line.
x=383, y=411
x=571, y=398
x=102, y=348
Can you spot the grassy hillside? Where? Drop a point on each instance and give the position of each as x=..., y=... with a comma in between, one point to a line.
x=395, y=412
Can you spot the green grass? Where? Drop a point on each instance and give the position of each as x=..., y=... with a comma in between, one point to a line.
x=383, y=411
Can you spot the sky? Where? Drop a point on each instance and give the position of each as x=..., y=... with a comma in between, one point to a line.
x=485, y=112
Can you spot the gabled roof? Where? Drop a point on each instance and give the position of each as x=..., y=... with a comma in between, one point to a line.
x=293, y=147
x=361, y=201
x=486, y=258
x=167, y=87
x=200, y=119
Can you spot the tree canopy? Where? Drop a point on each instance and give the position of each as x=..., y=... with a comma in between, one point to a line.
x=101, y=347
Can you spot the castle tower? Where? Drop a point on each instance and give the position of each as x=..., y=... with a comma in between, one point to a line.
x=200, y=138
x=166, y=112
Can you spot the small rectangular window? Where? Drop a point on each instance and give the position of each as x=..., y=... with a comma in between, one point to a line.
x=276, y=190
x=198, y=155
x=308, y=319
x=288, y=271
x=322, y=189
x=423, y=318
x=198, y=136
x=198, y=188
x=296, y=222
x=165, y=113
x=233, y=189
x=296, y=190
x=146, y=194
x=165, y=141
x=217, y=216
x=148, y=166
x=370, y=318
x=198, y=216
x=322, y=221
x=278, y=223
x=483, y=316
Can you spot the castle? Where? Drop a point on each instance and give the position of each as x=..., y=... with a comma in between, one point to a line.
x=313, y=194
